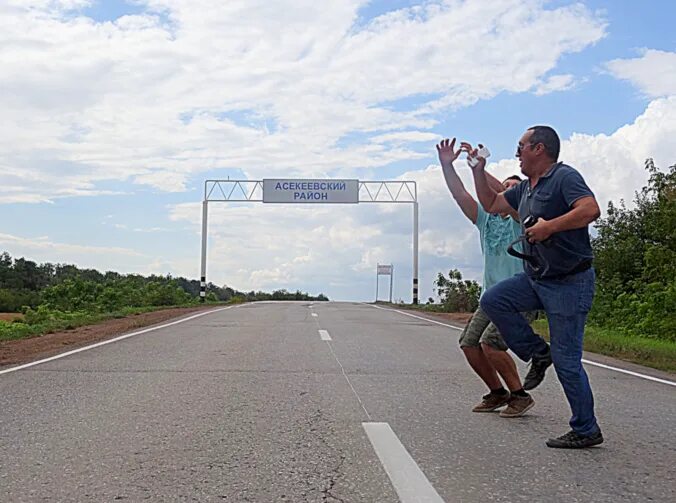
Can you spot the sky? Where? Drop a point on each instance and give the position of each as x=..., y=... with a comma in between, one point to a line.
x=116, y=112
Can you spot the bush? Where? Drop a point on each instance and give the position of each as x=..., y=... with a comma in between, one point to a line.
x=635, y=261
x=9, y=331
x=456, y=294
x=11, y=301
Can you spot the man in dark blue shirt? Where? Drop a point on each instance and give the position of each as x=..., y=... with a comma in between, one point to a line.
x=556, y=207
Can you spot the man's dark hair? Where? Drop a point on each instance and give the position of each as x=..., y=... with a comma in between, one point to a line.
x=548, y=137
x=513, y=177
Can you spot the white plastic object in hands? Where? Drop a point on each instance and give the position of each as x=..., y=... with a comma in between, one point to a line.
x=482, y=152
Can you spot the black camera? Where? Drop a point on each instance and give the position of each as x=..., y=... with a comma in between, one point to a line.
x=529, y=221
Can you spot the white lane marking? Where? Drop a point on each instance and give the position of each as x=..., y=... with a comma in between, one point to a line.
x=314, y=315
x=414, y=316
x=588, y=362
x=635, y=374
x=324, y=335
x=407, y=478
x=110, y=341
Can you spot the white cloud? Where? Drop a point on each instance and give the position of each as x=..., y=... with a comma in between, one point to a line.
x=163, y=180
x=555, y=83
x=56, y=6
x=405, y=137
x=42, y=249
x=613, y=165
x=654, y=73
x=274, y=276
x=190, y=86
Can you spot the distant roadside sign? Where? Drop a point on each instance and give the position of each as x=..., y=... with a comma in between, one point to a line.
x=278, y=190
x=385, y=270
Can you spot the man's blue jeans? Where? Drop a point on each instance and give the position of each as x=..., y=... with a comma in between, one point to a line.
x=566, y=302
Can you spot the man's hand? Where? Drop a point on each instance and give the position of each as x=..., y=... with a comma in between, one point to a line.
x=540, y=231
x=473, y=152
x=447, y=152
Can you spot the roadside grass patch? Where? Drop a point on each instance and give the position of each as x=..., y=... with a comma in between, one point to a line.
x=45, y=321
x=656, y=353
x=651, y=352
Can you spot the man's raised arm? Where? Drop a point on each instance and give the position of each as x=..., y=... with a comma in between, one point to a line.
x=447, y=155
x=490, y=199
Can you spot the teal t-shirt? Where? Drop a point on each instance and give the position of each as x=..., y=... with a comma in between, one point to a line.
x=496, y=234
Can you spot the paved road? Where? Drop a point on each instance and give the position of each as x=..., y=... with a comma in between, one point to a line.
x=256, y=404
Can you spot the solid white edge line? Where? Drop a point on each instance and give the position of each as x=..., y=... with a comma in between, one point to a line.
x=588, y=362
x=110, y=341
x=408, y=479
x=635, y=374
x=324, y=335
x=414, y=316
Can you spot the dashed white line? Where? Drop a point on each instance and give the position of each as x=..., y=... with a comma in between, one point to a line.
x=407, y=478
x=110, y=341
x=588, y=362
x=324, y=335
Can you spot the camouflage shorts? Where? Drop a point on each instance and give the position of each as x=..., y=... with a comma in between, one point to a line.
x=479, y=329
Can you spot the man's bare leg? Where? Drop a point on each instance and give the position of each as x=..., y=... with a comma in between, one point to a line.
x=482, y=366
x=504, y=364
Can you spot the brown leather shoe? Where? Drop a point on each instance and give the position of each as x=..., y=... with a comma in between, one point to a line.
x=491, y=402
x=517, y=406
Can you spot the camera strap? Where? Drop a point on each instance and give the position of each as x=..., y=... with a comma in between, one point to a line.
x=524, y=256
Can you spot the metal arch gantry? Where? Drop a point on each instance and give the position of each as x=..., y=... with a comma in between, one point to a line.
x=373, y=191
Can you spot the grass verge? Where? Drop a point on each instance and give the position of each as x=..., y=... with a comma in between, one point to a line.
x=20, y=329
x=655, y=353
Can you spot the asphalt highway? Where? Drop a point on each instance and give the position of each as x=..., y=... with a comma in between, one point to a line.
x=296, y=402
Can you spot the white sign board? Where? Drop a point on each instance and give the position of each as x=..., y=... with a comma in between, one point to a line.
x=384, y=269
x=277, y=190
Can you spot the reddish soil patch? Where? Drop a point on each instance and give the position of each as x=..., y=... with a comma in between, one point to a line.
x=10, y=316
x=459, y=317
x=35, y=348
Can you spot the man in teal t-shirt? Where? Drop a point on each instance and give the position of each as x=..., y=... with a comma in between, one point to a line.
x=496, y=233
x=482, y=344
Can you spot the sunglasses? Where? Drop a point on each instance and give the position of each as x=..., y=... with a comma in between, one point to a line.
x=521, y=146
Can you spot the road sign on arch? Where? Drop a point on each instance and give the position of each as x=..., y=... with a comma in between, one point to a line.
x=277, y=190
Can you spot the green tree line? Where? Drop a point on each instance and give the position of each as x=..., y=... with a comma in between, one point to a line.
x=55, y=296
x=26, y=284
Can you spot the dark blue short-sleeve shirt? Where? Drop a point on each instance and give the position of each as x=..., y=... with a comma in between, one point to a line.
x=552, y=197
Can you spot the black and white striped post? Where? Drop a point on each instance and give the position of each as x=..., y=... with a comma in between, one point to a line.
x=203, y=275
x=415, y=251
